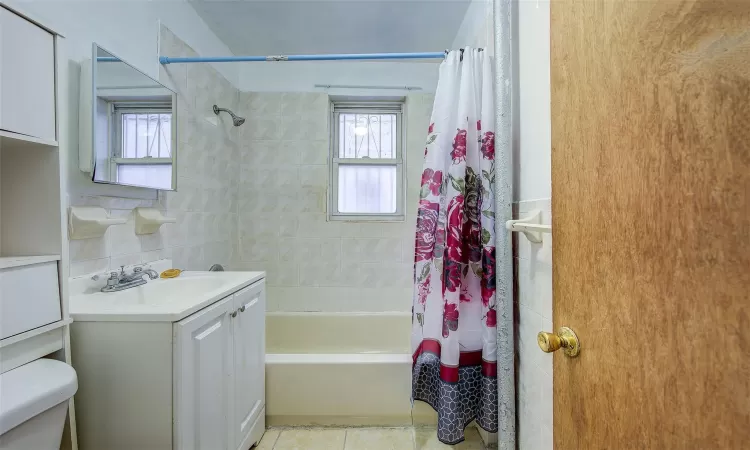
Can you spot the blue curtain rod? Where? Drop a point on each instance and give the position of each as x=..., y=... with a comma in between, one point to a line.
x=333, y=57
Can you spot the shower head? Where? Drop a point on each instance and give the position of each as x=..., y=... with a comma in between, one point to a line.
x=236, y=120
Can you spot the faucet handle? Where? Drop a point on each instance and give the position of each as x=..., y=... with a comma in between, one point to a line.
x=113, y=279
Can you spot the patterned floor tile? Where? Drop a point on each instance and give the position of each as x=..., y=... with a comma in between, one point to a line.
x=379, y=439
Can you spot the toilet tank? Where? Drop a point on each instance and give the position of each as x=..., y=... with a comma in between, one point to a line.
x=33, y=404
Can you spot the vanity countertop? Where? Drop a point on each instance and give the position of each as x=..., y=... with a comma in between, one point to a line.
x=160, y=300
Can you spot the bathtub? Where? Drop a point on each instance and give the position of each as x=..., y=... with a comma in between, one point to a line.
x=340, y=369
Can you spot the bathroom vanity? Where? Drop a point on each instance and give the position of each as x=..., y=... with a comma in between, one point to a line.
x=172, y=364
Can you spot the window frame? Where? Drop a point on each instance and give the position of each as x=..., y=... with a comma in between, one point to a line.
x=367, y=107
x=116, y=110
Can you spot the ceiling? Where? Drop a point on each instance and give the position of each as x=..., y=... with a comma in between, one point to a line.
x=287, y=27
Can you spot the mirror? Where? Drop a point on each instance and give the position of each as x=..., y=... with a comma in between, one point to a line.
x=133, y=126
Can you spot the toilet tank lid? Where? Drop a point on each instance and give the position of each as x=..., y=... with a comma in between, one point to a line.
x=33, y=388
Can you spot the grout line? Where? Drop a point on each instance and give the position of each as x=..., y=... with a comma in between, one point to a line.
x=346, y=434
x=273, y=446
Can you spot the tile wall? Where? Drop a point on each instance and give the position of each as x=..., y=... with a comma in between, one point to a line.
x=532, y=150
x=254, y=198
x=533, y=264
x=313, y=264
x=208, y=174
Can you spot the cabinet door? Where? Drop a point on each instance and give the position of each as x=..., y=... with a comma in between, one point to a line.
x=249, y=361
x=27, y=77
x=203, y=364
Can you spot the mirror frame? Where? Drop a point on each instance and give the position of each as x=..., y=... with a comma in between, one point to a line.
x=92, y=121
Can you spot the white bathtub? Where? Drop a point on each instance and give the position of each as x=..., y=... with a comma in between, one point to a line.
x=346, y=369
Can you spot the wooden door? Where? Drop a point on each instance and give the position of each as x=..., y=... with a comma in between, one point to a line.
x=651, y=223
x=202, y=375
x=249, y=362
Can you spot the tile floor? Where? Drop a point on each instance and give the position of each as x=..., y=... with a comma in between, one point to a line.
x=362, y=439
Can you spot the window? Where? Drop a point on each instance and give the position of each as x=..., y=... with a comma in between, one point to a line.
x=367, y=163
x=142, y=144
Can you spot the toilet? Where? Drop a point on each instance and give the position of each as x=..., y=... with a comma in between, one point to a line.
x=33, y=404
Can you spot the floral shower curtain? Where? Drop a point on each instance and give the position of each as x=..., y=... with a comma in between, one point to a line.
x=454, y=319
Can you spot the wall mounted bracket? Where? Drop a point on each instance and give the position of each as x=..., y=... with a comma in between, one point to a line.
x=148, y=220
x=530, y=226
x=85, y=222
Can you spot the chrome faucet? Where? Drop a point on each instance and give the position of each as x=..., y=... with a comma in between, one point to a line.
x=121, y=281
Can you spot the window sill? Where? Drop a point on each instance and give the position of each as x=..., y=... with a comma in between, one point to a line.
x=395, y=218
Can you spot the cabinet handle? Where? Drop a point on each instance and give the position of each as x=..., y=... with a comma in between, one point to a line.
x=233, y=314
x=242, y=309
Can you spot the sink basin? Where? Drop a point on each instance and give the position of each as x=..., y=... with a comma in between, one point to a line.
x=173, y=289
x=162, y=299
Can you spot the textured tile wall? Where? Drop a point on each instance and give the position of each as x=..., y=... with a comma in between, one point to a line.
x=313, y=264
x=254, y=198
x=208, y=174
x=533, y=263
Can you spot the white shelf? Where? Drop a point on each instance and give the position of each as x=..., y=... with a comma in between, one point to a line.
x=35, y=332
x=7, y=262
x=21, y=140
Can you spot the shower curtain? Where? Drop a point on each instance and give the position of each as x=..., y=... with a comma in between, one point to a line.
x=454, y=316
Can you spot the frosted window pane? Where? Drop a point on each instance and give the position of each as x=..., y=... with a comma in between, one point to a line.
x=163, y=135
x=367, y=135
x=367, y=189
x=146, y=135
x=152, y=175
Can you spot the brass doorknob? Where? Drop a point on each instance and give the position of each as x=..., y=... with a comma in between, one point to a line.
x=565, y=338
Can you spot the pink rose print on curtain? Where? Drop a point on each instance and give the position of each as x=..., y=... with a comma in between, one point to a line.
x=451, y=276
x=488, y=275
x=432, y=180
x=472, y=229
x=424, y=289
x=450, y=319
x=488, y=145
x=430, y=130
x=427, y=218
x=453, y=243
x=472, y=249
x=459, y=147
x=491, y=319
x=454, y=261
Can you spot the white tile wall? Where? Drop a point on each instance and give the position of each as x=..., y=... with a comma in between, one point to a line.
x=205, y=204
x=254, y=198
x=534, y=303
x=313, y=264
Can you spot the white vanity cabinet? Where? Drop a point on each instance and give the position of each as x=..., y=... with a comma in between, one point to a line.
x=249, y=374
x=197, y=383
x=27, y=77
x=203, y=370
x=225, y=341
